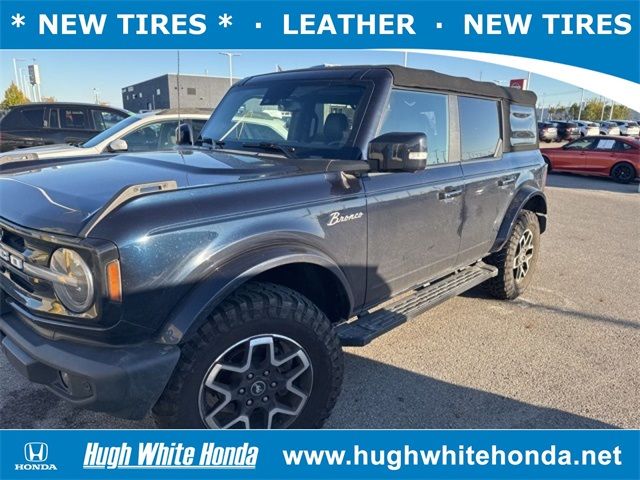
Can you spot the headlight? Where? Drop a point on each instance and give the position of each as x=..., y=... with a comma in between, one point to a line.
x=76, y=298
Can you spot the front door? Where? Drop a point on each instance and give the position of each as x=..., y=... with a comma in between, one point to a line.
x=572, y=157
x=414, y=218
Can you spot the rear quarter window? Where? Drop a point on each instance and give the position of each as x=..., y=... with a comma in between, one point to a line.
x=522, y=119
x=479, y=128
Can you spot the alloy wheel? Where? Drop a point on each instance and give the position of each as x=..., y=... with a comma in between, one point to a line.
x=260, y=382
x=523, y=256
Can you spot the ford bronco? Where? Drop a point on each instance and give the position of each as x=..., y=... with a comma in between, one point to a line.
x=215, y=284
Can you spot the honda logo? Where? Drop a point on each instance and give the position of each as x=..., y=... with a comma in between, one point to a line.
x=36, y=452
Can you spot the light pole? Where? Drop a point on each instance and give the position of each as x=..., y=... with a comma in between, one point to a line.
x=18, y=74
x=230, y=56
x=581, y=103
x=95, y=95
x=406, y=58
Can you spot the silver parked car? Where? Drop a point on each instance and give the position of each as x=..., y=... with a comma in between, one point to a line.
x=628, y=127
x=588, y=129
x=609, y=128
x=149, y=131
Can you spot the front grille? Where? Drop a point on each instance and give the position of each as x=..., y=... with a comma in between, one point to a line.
x=18, y=252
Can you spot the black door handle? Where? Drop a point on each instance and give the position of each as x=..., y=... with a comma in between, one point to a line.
x=506, y=181
x=450, y=192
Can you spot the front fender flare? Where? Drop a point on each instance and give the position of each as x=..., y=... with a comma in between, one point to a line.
x=206, y=295
x=525, y=195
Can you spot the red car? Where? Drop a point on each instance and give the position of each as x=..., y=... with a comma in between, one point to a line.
x=604, y=156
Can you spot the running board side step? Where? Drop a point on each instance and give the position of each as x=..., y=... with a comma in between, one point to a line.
x=368, y=327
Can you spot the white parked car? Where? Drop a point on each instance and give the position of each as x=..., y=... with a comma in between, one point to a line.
x=142, y=132
x=588, y=129
x=609, y=128
x=628, y=127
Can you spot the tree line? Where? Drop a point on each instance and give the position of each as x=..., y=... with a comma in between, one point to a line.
x=594, y=110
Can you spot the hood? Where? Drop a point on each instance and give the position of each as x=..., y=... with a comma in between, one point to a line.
x=64, y=197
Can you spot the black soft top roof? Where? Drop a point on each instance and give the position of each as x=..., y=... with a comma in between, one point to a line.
x=417, y=78
x=413, y=77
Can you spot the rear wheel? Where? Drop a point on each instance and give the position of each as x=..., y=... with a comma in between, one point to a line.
x=623, y=173
x=267, y=358
x=517, y=260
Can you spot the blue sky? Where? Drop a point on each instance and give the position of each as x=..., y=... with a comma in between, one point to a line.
x=71, y=75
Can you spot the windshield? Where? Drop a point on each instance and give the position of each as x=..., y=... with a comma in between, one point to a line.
x=109, y=132
x=301, y=118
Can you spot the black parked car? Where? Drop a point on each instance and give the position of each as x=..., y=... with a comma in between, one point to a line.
x=567, y=130
x=35, y=124
x=217, y=284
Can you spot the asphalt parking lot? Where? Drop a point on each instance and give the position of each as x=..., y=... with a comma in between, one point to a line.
x=565, y=355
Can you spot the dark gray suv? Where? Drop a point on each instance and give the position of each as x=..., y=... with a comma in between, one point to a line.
x=36, y=124
x=216, y=284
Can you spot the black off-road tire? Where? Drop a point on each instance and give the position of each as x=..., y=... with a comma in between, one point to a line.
x=504, y=286
x=623, y=173
x=256, y=309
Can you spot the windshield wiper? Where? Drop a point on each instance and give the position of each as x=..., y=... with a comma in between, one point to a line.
x=272, y=147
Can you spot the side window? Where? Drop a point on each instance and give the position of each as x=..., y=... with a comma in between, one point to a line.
x=582, y=144
x=479, y=127
x=73, y=118
x=157, y=136
x=605, y=144
x=523, y=125
x=623, y=146
x=167, y=135
x=35, y=116
x=409, y=111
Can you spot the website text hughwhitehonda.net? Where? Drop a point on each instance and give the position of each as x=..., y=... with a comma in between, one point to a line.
x=395, y=459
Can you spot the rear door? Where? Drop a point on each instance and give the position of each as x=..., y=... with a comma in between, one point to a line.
x=75, y=124
x=599, y=157
x=489, y=178
x=606, y=152
x=414, y=218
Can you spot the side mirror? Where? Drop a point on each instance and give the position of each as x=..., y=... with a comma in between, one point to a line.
x=398, y=151
x=118, y=145
x=184, y=134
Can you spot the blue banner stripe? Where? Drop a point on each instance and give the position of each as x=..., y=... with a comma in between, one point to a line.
x=256, y=25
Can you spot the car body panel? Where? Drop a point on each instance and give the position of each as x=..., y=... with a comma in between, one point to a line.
x=596, y=159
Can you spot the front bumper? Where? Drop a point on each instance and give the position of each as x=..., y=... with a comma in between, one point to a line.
x=123, y=381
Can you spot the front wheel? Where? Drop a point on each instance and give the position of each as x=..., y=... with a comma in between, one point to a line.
x=517, y=260
x=267, y=358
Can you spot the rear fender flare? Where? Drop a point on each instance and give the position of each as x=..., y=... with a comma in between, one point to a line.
x=206, y=295
x=525, y=195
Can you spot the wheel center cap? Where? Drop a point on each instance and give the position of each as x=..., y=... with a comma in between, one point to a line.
x=258, y=388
